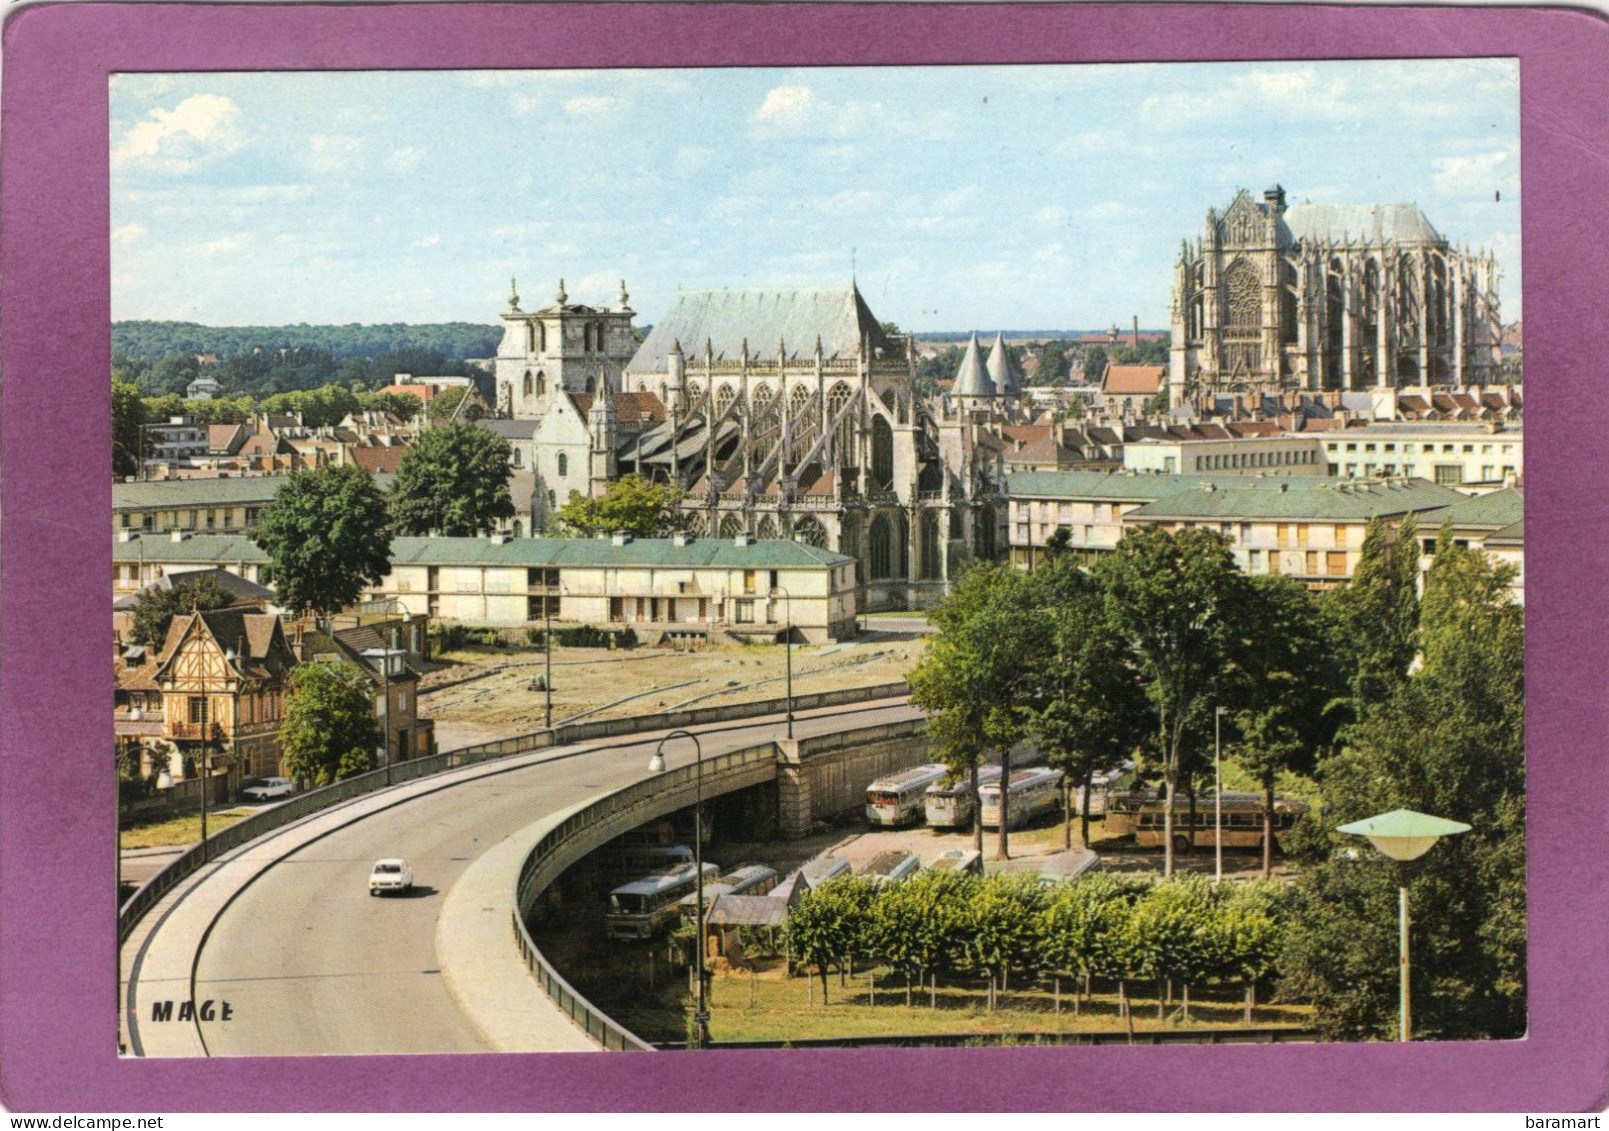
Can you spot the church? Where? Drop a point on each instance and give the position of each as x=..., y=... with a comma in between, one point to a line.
x=1275, y=297
x=782, y=413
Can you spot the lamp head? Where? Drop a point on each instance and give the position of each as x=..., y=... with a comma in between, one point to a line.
x=1403, y=834
x=656, y=764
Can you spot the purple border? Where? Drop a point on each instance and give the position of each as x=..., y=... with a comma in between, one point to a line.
x=57, y=1023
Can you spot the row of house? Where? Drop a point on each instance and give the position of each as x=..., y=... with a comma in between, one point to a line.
x=271, y=443
x=682, y=587
x=1304, y=527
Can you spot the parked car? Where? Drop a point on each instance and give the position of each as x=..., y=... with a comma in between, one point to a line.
x=268, y=789
x=390, y=875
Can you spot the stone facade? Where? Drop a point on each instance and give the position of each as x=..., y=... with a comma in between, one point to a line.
x=1317, y=296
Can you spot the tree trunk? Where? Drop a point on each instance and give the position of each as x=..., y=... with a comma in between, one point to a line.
x=1268, y=829
x=810, y=988
x=907, y=989
x=1067, y=813
x=752, y=988
x=977, y=812
x=1058, y=997
x=873, y=978
x=1251, y=999
x=933, y=994
x=823, y=983
x=1160, y=999
x=1190, y=790
x=1089, y=776
x=1167, y=827
x=1003, y=850
x=1187, y=1001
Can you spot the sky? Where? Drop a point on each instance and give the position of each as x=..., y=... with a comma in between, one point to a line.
x=987, y=197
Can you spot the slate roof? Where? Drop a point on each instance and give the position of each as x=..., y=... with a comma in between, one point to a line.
x=161, y=494
x=1298, y=497
x=1370, y=223
x=244, y=592
x=509, y=429
x=747, y=911
x=1002, y=370
x=972, y=377
x=1136, y=487
x=1513, y=535
x=663, y=552
x=1494, y=508
x=796, y=316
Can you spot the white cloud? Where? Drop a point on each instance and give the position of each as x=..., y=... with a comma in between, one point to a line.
x=591, y=107
x=227, y=245
x=328, y=153
x=405, y=160
x=199, y=127
x=427, y=241
x=691, y=158
x=127, y=234
x=1477, y=174
x=786, y=106
x=795, y=111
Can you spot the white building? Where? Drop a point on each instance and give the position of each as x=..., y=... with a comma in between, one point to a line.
x=1465, y=456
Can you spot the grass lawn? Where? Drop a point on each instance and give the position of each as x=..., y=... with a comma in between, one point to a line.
x=179, y=830
x=783, y=1009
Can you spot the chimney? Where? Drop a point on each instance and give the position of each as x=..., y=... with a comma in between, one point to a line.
x=179, y=536
x=681, y=538
x=743, y=540
x=1136, y=331
x=621, y=538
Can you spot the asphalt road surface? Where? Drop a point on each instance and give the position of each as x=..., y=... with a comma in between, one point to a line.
x=311, y=964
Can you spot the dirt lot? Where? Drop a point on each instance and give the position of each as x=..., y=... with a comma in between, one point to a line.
x=484, y=694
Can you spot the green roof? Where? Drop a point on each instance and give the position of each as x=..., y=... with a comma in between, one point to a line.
x=164, y=494
x=213, y=549
x=721, y=552
x=223, y=549
x=1299, y=497
x=1494, y=509
x=1142, y=486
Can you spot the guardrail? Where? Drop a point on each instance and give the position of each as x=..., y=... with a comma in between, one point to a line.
x=1263, y=1035
x=306, y=804
x=579, y=834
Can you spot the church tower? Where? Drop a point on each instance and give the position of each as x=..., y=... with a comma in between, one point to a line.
x=578, y=348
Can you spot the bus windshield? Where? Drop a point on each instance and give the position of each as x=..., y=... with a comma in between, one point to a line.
x=883, y=798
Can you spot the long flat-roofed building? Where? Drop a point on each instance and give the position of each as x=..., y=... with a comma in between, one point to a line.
x=1468, y=456
x=657, y=587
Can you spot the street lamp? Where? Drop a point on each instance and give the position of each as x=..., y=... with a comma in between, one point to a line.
x=1403, y=835
x=786, y=596
x=1217, y=795
x=656, y=765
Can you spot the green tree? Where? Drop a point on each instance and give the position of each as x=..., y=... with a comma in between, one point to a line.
x=1075, y=923
x=1091, y=709
x=156, y=607
x=1171, y=929
x=829, y=923
x=404, y=406
x=919, y=925
x=1450, y=741
x=444, y=405
x=453, y=481
x=329, y=730
x=128, y=418
x=1377, y=613
x=1002, y=914
x=974, y=680
x=328, y=538
x=1173, y=600
x=631, y=504
x=1290, y=676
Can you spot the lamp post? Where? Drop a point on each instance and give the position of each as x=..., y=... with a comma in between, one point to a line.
x=1403, y=835
x=656, y=765
x=786, y=596
x=1217, y=796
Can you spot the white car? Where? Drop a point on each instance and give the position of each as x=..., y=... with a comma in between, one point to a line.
x=390, y=875
x=269, y=788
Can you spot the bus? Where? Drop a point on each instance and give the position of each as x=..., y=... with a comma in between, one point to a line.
x=745, y=879
x=1242, y=821
x=888, y=867
x=897, y=798
x=950, y=806
x=823, y=868
x=1032, y=792
x=642, y=908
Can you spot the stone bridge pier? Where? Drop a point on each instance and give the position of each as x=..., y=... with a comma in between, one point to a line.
x=828, y=774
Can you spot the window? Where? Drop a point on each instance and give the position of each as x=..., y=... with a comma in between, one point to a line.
x=125, y=518
x=1283, y=535
x=1486, y=473
x=197, y=708
x=564, y=465
x=1449, y=474
x=748, y=581
x=1254, y=561
x=402, y=699
x=1335, y=563
x=1273, y=562
x=745, y=612
x=1301, y=535
x=1312, y=562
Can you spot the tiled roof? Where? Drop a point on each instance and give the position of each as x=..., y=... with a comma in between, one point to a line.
x=1042, y=450
x=795, y=316
x=379, y=459
x=638, y=408
x=1134, y=380
x=226, y=437
x=1298, y=497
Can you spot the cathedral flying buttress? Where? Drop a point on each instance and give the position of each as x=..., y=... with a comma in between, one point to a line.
x=1318, y=296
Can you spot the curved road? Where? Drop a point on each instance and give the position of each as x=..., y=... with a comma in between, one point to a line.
x=311, y=964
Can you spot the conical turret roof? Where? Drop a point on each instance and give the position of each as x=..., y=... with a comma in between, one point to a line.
x=972, y=379
x=1001, y=370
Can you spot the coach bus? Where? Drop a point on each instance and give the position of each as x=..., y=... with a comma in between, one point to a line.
x=821, y=869
x=889, y=867
x=950, y=806
x=643, y=908
x=1242, y=821
x=897, y=798
x=1032, y=792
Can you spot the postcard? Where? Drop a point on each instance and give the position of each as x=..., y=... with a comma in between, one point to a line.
x=876, y=538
